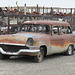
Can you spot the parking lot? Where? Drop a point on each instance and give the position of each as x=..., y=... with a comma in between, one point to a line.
x=57, y=64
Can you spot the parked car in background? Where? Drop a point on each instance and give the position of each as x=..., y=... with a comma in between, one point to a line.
x=38, y=38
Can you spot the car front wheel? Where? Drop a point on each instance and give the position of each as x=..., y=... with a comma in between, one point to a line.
x=39, y=57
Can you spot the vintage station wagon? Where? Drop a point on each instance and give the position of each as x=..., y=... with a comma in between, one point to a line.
x=38, y=38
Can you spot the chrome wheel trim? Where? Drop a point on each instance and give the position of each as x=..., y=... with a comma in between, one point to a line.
x=40, y=56
x=70, y=50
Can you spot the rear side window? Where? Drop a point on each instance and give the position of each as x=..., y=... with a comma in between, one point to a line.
x=68, y=30
x=62, y=29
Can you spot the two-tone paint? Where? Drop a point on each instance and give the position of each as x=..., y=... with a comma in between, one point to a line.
x=16, y=44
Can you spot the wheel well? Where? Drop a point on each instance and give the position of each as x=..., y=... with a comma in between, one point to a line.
x=43, y=47
x=72, y=45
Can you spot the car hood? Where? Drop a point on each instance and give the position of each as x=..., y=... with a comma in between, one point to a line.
x=33, y=35
x=19, y=38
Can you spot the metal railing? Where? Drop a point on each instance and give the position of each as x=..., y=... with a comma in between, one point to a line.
x=16, y=20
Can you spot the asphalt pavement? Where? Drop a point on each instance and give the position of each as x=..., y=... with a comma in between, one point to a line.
x=57, y=64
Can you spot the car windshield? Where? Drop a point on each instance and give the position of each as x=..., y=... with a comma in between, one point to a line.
x=37, y=28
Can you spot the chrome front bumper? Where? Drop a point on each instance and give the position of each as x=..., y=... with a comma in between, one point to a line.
x=21, y=51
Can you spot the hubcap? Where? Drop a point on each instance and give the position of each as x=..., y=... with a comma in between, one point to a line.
x=40, y=56
x=70, y=50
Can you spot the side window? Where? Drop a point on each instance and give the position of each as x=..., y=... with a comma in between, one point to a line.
x=63, y=29
x=68, y=30
x=55, y=30
x=44, y=29
x=47, y=29
x=59, y=31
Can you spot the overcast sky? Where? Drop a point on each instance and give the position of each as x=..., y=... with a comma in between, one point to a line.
x=46, y=3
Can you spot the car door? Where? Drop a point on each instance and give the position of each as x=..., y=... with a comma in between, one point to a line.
x=57, y=40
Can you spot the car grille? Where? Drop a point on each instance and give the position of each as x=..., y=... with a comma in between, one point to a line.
x=11, y=48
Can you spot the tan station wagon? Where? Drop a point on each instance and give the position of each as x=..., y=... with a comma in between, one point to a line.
x=38, y=38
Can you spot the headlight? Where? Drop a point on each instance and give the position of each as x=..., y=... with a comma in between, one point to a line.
x=30, y=41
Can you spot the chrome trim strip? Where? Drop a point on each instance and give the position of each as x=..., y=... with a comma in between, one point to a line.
x=13, y=44
x=17, y=44
x=17, y=53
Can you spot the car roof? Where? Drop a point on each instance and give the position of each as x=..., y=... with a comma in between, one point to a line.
x=46, y=22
